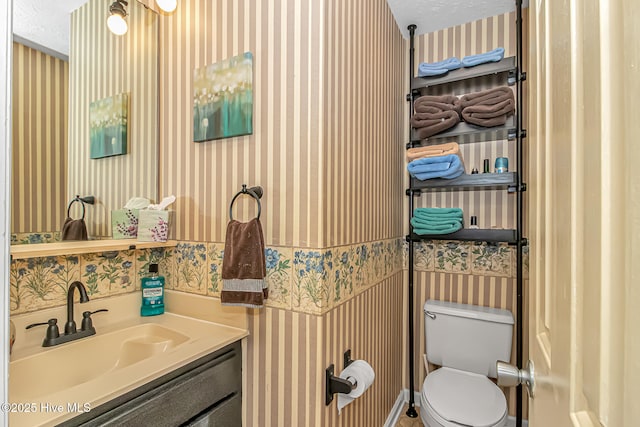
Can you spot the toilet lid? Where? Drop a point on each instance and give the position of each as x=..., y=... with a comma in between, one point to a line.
x=464, y=397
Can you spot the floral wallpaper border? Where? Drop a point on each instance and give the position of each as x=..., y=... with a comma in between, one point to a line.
x=301, y=279
x=307, y=280
x=31, y=238
x=476, y=258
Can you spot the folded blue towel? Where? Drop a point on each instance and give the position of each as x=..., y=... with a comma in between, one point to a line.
x=431, y=72
x=448, y=167
x=492, y=56
x=428, y=69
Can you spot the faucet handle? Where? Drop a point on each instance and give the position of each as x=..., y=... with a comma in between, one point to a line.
x=52, y=330
x=87, y=323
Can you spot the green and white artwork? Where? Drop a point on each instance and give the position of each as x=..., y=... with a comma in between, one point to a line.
x=223, y=99
x=108, y=126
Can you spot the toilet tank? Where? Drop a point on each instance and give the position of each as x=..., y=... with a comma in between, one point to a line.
x=467, y=337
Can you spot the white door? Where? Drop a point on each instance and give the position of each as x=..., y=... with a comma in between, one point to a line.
x=5, y=164
x=584, y=215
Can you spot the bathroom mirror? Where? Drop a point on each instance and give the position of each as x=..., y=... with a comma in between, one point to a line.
x=51, y=150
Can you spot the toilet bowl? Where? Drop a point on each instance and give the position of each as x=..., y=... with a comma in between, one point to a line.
x=454, y=398
x=466, y=341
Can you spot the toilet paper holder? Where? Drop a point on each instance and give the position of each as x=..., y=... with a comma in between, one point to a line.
x=335, y=384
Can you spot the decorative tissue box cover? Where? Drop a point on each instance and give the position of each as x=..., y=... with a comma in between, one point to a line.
x=124, y=223
x=154, y=225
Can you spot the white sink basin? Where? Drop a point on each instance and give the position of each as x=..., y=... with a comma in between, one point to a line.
x=77, y=362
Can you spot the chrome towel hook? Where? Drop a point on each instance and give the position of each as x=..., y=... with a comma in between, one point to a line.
x=255, y=192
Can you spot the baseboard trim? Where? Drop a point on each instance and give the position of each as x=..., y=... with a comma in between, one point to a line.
x=396, y=410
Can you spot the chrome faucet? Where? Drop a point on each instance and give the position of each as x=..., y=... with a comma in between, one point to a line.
x=53, y=336
x=70, y=326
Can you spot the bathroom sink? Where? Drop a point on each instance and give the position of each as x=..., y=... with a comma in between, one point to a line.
x=128, y=352
x=84, y=360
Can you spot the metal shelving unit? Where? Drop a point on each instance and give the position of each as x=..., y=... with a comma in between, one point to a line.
x=507, y=71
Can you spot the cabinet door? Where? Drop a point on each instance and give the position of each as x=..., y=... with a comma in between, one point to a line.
x=227, y=413
x=179, y=400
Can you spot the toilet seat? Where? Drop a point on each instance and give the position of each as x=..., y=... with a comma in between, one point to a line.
x=454, y=398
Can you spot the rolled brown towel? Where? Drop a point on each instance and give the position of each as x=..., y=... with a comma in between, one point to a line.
x=487, y=97
x=489, y=115
x=428, y=124
x=443, y=102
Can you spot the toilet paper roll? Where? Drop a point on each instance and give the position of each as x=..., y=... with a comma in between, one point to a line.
x=359, y=372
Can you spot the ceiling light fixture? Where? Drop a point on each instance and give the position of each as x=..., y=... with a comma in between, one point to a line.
x=116, y=20
x=167, y=5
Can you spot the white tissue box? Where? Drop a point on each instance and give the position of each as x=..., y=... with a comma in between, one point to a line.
x=155, y=225
x=124, y=223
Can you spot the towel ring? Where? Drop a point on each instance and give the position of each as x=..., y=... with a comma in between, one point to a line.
x=255, y=192
x=82, y=200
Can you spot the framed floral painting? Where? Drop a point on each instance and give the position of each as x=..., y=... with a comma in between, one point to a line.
x=223, y=99
x=108, y=126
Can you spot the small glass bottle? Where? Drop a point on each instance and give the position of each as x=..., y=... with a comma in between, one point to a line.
x=474, y=223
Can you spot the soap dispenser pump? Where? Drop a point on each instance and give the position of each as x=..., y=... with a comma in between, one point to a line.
x=152, y=293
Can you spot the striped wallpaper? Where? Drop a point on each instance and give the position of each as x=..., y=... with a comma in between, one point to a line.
x=284, y=154
x=287, y=353
x=364, y=82
x=330, y=179
x=39, y=145
x=371, y=325
x=323, y=147
x=103, y=65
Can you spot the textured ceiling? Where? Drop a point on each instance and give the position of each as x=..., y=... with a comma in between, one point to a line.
x=434, y=15
x=45, y=22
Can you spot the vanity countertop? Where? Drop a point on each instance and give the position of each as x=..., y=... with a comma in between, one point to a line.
x=50, y=385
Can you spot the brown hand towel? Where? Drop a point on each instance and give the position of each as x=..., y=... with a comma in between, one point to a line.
x=428, y=124
x=487, y=97
x=432, y=151
x=243, y=265
x=444, y=103
x=489, y=115
x=74, y=229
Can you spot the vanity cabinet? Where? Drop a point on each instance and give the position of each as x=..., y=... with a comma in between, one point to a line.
x=204, y=393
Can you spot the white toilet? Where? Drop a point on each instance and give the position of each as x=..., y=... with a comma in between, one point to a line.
x=466, y=340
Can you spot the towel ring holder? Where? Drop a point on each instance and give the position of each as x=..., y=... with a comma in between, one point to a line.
x=87, y=199
x=255, y=192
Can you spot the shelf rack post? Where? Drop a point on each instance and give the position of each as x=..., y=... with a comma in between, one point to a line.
x=411, y=412
x=519, y=201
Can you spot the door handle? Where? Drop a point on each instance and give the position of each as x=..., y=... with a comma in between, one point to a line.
x=510, y=376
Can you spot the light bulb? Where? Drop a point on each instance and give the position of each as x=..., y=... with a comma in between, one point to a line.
x=167, y=5
x=117, y=24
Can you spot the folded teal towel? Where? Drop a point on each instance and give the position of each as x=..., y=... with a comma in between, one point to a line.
x=448, y=167
x=429, y=69
x=436, y=220
x=438, y=212
x=435, y=227
x=492, y=56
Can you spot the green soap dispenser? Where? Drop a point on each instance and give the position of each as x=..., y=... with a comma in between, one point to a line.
x=152, y=293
